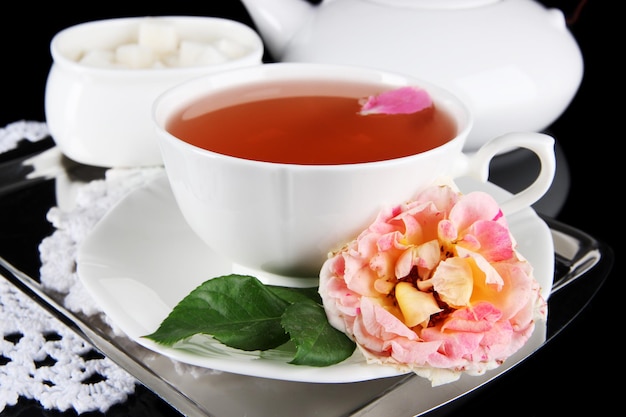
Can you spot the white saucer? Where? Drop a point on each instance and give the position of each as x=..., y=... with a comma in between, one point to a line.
x=141, y=259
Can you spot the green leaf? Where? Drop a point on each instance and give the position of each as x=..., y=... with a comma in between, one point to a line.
x=242, y=313
x=317, y=342
x=293, y=295
x=237, y=310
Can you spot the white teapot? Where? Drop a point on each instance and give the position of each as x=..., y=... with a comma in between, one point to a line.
x=513, y=62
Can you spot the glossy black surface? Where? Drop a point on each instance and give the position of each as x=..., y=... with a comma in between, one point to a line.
x=570, y=376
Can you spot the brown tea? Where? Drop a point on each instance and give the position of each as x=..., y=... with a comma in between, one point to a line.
x=308, y=129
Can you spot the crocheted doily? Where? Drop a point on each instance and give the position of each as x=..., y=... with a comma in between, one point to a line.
x=40, y=357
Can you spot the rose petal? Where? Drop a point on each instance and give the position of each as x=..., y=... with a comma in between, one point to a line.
x=404, y=100
x=453, y=281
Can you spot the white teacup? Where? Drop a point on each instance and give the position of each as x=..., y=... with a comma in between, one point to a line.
x=284, y=219
x=107, y=73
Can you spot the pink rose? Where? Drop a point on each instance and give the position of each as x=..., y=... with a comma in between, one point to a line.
x=434, y=286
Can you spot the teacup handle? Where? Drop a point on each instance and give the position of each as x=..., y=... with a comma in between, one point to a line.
x=540, y=144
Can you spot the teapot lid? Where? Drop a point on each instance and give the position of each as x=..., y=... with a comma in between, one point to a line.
x=437, y=4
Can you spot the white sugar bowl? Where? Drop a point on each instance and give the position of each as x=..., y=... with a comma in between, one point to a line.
x=106, y=74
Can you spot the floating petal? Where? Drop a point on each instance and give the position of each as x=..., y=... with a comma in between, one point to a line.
x=404, y=100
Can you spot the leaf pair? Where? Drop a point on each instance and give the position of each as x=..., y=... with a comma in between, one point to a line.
x=243, y=313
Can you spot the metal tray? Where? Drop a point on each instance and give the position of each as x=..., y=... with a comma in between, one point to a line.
x=581, y=266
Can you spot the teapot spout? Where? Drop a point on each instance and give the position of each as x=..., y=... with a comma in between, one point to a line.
x=278, y=20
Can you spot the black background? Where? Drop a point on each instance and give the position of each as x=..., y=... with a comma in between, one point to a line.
x=582, y=370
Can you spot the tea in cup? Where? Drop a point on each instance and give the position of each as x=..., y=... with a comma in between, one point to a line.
x=275, y=167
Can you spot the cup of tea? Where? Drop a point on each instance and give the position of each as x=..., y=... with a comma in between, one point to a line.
x=273, y=168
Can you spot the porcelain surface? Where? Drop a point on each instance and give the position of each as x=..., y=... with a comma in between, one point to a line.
x=101, y=116
x=141, y=259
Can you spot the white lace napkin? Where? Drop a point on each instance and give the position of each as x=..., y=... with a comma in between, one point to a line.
x=11, y=134
x=40, y=357
x=73, y=224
